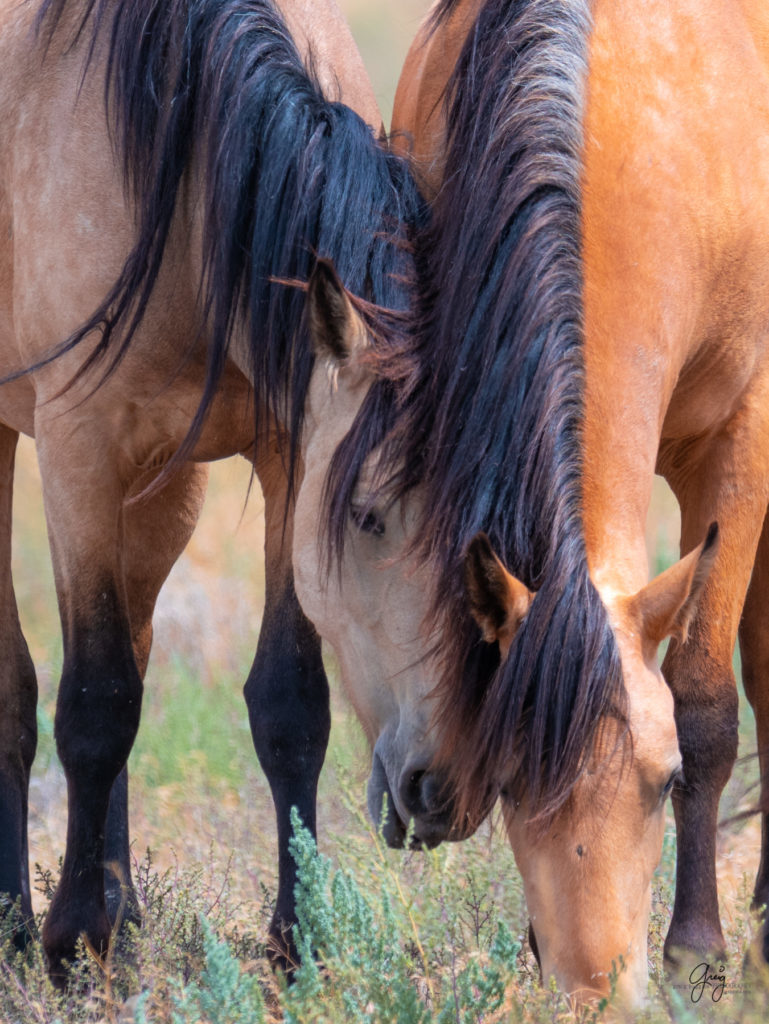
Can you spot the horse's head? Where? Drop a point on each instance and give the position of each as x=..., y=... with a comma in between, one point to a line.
x=587, y=867
x=371, y=603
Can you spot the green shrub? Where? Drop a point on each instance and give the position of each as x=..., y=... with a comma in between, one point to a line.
x=355, y=965
x=224, y=994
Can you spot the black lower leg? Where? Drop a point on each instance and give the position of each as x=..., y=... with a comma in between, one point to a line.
x=119, y=893
x=288, y=705
x=18, y=741
x=97, y=716
x=707, y=731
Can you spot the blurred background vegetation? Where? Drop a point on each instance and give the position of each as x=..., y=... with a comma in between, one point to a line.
x=383, y=32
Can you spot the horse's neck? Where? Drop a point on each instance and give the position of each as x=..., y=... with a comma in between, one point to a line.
x=319, y=28
x=620, y=438
x=665, y=204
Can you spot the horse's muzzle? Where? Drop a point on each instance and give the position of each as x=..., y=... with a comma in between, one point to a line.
x=422, y=798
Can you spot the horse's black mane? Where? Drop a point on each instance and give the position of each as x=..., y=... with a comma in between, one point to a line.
x=491, y=428
x=217, y=87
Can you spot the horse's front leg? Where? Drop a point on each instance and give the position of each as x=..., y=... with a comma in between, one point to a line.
x=100, y=692
x=721, y=486
x=288, y=702
x=156, y=530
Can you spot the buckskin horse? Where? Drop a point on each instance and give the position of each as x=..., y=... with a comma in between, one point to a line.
x=168, y=175
x=600, y=246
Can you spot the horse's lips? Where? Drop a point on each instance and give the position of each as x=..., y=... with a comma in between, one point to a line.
x=381, y=806
x=385, y=814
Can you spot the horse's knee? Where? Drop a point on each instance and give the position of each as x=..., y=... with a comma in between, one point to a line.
x=18, y=723
x=707, y=716
x=287, y=692
x=98, y=707
x=290, y=718
x=95, y=734
x=707, y=737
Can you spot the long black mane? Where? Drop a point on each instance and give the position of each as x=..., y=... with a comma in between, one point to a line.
x=491, y=428
x=215, y=91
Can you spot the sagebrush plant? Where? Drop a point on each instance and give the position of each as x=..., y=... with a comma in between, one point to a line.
x=367, y=970
x=224, y=994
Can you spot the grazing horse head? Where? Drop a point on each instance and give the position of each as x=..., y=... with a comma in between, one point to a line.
x=587, y=865
x=370, y=604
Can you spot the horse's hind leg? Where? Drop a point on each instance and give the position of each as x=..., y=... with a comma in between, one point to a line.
x=155, y=532
x=288, y=700
x=754, y=646
x=18, y=701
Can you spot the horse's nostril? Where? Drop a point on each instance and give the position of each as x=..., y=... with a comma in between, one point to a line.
x=422, y=793
x=433, y=795
x=411, y=791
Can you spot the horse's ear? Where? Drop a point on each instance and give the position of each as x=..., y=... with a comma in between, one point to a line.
x=334, y=324
x=498, y=601
x=668, y=604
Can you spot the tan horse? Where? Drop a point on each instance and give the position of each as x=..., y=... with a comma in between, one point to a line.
x=601, y=246
x=183, y=213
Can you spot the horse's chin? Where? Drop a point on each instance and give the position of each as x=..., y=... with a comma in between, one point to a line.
x=428, y=831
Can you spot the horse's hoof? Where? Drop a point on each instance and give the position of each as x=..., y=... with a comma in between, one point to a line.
x=60, y=943
x=691, y=954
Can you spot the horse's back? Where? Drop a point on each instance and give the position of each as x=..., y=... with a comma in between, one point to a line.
x=675, y=217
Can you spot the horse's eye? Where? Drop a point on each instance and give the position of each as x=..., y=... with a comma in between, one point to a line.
x=677, y=776
x=368, y=521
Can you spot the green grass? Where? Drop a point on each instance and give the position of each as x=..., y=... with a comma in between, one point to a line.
x=186, y=718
